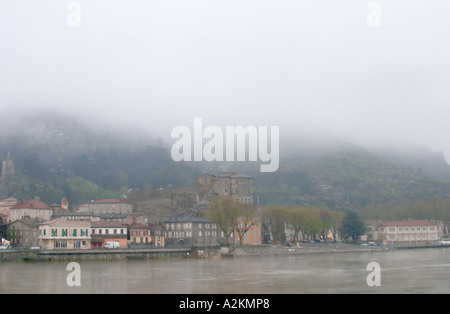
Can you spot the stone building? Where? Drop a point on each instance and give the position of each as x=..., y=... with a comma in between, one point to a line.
x=239, y=186
x=30, y=209
x=106, y=206
x=24, y=232
x=192, y=231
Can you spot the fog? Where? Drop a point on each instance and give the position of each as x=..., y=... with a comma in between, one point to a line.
x=304, y=65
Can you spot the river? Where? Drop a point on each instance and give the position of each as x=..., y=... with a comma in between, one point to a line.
x=420, y=271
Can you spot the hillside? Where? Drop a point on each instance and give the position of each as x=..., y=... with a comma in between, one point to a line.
x=58, y=157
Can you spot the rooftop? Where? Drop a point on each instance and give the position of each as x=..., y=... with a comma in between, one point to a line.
x=408, y=223
x=65, y=222
x=33, y=204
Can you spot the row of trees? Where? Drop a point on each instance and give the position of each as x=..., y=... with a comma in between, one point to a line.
x=307, y=222
x=312, y=223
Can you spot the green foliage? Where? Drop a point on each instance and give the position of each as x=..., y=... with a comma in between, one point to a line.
x=352, y=226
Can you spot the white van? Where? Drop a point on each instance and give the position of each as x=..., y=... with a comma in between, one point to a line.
x=111, y=245
x=444, y=241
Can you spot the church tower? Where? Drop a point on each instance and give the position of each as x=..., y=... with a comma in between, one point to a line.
x=7, y=168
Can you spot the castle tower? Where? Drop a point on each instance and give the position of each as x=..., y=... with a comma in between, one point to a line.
x=7, y=168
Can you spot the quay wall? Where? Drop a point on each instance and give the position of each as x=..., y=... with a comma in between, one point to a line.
x=82, y=255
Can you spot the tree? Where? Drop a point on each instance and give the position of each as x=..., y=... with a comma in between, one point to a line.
x=224, y=212
x=352, y=226
x=297, y=219
x=276, y=217
x=314, y=223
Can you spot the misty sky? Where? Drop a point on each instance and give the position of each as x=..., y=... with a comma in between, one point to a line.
x=300, y=64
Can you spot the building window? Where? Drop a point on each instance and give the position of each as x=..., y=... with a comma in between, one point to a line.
x=54, y=232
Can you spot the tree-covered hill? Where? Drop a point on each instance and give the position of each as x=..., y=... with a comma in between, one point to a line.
x=58, y=157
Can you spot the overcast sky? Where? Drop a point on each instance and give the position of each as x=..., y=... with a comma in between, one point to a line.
x=300, y=64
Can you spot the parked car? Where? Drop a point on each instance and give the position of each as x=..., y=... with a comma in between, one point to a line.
x=111, y=245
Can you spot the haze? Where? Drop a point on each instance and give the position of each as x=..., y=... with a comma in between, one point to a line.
x=304, y=65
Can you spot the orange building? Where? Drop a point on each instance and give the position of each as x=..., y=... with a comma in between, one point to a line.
x=253, y=235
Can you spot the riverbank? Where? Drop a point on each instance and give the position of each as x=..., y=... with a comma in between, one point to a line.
x=82, y=255
x=203, y=253
x=303, y=249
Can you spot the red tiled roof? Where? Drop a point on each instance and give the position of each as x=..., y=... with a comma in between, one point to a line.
x=407, y=223
x=33, y=204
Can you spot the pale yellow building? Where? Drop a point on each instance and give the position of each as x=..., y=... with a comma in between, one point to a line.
x=408, y=232
x=64, y=234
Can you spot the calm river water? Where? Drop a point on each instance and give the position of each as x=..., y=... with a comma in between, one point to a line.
x=405, y=271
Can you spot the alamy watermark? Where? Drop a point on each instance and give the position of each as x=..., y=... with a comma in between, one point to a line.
x=374, y=16
x=374, y=278
x=74, y=278
x=237, y=143
x=74, y=17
